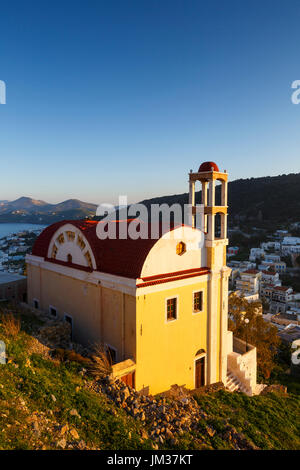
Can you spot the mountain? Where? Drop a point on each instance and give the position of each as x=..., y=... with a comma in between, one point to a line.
x=26, y=209
x=23, y=203
x=73, y=204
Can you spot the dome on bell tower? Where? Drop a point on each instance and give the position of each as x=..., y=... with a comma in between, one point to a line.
x=208, y=166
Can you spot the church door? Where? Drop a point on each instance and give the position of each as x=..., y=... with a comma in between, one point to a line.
x=200, y=372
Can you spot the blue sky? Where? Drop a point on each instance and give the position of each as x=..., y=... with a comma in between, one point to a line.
x=124, y=97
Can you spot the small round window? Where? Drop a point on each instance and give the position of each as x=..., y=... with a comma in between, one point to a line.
x=180, y=248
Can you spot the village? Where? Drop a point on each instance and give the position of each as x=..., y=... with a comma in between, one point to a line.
x=265, y=276
x=13, y=249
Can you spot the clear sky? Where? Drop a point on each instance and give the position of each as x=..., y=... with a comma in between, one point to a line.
x=125, y=96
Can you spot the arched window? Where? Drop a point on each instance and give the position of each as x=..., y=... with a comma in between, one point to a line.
x=54, y=251
x=199, y=352
x=218, y=225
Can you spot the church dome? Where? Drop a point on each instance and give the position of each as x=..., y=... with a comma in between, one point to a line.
x=208, y=166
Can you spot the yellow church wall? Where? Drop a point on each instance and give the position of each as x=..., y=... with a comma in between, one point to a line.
x=166, y=350
x=99, y=314
x=119, y=326
x=33, y=283
x=72, y=297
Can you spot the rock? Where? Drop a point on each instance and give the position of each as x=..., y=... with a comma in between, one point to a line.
x=144, y=434
x=74, y=412
x=64, y=429
x=81, y=445
x=126, y=393
x=53, y=397
x=62, y=443
x=36, y=428
x=74, y=434
x=274, y=388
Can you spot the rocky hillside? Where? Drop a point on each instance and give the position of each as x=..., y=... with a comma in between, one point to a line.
x=50, y=398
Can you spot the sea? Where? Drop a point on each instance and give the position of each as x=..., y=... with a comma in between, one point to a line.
x=8, y=229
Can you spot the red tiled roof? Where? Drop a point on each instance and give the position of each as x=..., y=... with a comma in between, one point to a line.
x=269, y=273
x=121, y=257
x=282, y=288
x=250, y=271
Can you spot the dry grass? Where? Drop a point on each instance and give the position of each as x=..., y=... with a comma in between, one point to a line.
x=101, y=363
x=10, y=324
x=34, y=346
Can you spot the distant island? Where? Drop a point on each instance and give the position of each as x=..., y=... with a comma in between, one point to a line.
x=28, y=210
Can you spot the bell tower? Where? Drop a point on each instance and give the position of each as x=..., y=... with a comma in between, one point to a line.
x=214, y=224
x=208, y=174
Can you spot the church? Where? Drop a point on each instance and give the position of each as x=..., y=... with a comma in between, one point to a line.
x=160, y=306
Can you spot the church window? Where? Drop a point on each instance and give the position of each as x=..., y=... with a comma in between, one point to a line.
x=80, y=243
x=71, y=236
x=54, y=251
x=180, y=248
x=89, y=259
x=172, y=309
x=61, y=239
x=198, y=301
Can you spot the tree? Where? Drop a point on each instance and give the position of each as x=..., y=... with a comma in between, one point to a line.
x=298, y=260
x=257, y=332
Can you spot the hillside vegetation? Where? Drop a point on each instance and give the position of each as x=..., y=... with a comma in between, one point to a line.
x=47, y=403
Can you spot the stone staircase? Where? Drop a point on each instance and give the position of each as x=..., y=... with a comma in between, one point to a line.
x=233, y=384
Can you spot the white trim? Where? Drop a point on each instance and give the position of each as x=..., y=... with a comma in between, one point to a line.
x=171, y=284
x=53, y=308
x=177, y=309
x=198, y=311
x=111, y=281
x=200, y=356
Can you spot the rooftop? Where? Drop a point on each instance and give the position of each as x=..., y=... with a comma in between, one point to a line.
x=251, y=271
x=282, y=288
